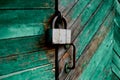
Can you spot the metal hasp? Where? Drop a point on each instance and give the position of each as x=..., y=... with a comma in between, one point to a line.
x=60, y=37
x=68, y=67
x=57, y=36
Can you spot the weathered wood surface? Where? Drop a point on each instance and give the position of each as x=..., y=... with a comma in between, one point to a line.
x=90, y=50
x=97, y=65
x=24, y=54
x=87, y=26
x=7, y=4
x=116, y=48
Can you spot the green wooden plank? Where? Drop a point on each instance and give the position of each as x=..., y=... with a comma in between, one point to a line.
x=107, y=72
x=117, y=12
x=99, y=60
x=91, y=28
x=101, y=71
x=116, y=70
x=21, y=30
x=114, y=77
x=25, y=4
x=74, y=12
x=63, y=4
x=25, y=16
x=116, y=48
x=21, y=45
x=116, y=36
x=38, y=73
x=91, y=48
x=116, y=60
x=89, y=11
x=50, y=76
x=20, y=62
x=116, y=57
x=86, y=16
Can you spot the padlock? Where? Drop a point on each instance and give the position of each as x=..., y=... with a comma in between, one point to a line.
x=59, y=35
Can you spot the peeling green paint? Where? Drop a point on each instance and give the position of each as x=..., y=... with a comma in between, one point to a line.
x=23, y=54
x=25, y=4
x=91, y=28
x=22, y=32
x=100, y=59
x=116, y=57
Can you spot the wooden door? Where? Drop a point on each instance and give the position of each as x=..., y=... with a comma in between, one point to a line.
x=91, y=23
x=23, y=54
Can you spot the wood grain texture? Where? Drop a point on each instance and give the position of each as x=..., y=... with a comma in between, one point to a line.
x=116, y=48
x=24, y=54
x=20, y=62
x=25, y=16
x=95, y=66
x=21, y=30
x=36, y=73
x=92, y=25
x=28, y=21
x=65, y=6
x=7, y=4
x=76, y=27
x=89, y=51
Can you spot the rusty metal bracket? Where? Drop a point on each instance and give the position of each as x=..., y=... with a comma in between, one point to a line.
x=68, y=67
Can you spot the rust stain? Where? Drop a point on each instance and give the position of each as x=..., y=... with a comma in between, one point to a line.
x=47, y=25
x=63, y=61
x=51, y=56
x=66, y=55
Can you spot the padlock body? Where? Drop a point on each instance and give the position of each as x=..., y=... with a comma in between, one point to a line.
x=59, y=36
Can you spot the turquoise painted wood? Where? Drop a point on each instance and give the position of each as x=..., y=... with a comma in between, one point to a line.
x=25, y=4
x=93, y=26
x=21, y=21
x=99, y=65
x=96, y=68
x=116, y=52
x=24, y=54
x=22, y=35
x=90, y=21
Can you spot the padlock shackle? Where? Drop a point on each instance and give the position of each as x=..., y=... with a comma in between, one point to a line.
x=56, y=22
